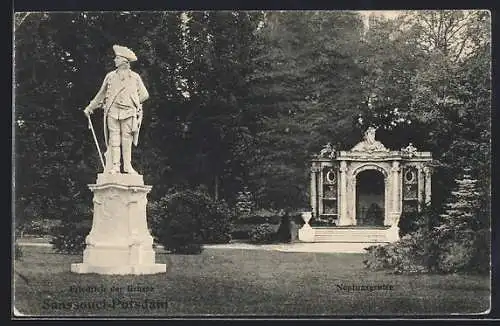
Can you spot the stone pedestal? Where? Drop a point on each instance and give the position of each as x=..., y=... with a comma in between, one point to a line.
x=306, y=233
x=393, y=233
x=119, y=242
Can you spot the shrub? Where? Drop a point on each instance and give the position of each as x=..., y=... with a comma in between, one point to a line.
x=456, y=257
x=183, y=221
x=409, y=222
x=413, y=253
x=296, y=222
x=18, y=253
x=68, y=235
x=70, y=238
x=377, y=257
x=38, y=227
x=18, y=231
x=481, y=257
x=177, y=228
x=258, y=219
x=245, y=204
x=217, y=224
x=453, y=243
x=284, y=233
x=461, y=238
x=297, y=219
x=263, y=233
x=240, y=234
x=188, y=249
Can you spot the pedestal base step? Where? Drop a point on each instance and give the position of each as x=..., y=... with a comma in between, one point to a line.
x=82, y=268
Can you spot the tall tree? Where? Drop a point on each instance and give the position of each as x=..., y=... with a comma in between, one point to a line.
x=213, y=120
x=389, y=58
x=427, y=76
x=194, y=65
x=304, y=90
x=61, y=59
x=452, y=92
x=459, y=234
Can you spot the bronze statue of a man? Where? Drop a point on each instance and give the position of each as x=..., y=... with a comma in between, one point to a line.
x=121, y=96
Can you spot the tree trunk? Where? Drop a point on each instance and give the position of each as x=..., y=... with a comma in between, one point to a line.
x=216, y=188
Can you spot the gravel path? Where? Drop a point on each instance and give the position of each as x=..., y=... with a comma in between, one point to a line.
x=292, y=247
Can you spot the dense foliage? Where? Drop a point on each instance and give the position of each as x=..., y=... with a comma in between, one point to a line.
x=262, y=234
x=426, y=218
x=449, y=111
x=245, y=204
x=184, y=220
x=69, y=237
x=455, y=241
x=462, y=234
x=38, y=228
x=18, y=252
x=245, y=98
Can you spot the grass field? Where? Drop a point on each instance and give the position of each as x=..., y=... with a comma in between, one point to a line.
x=241, y=282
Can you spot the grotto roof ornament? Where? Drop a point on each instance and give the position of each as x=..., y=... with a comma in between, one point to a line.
x=327, y=151
x=409, y=151
x=369, y=143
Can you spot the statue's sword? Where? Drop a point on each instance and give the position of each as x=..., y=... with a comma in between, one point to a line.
x=95, y=140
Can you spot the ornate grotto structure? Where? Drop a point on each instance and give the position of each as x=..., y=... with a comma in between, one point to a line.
x=359, y=195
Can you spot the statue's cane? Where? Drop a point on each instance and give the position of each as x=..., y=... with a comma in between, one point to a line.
x=95, y=140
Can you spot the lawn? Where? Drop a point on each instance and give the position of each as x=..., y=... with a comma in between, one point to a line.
x=241, y=282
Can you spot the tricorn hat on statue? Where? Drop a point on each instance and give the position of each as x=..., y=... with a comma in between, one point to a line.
x=124, y=52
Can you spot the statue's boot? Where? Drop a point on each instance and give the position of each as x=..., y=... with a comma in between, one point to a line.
x=127, y=156
x=115, y=158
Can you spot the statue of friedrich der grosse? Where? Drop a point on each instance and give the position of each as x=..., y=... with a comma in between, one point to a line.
x=121, y=96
